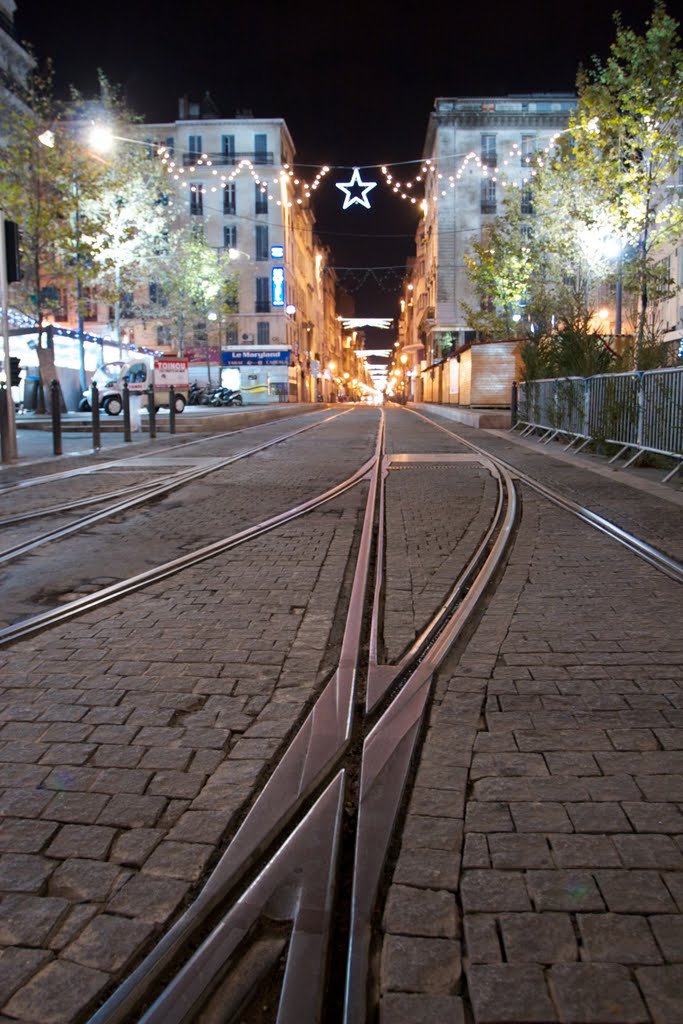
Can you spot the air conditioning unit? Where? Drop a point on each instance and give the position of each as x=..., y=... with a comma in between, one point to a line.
x=247, y=338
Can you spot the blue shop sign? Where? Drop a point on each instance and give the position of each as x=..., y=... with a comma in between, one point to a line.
x=277, y=283
x=255, y=357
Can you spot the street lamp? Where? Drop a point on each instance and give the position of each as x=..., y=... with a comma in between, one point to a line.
x=404, y=360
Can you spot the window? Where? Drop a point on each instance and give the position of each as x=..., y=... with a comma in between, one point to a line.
x=228, y=149
x=127, y=306
x=231, y=334
x=260, y=199
x=163, y=334
x=489, y=157
x=230, y=236
x=230, y=198
x=196, y=199
x=526, y=200
x=262, y=251
x=88, y=304
x=527, y=150
x=262, y=332
x=260, y=148
x=170, y=145
x=194, y=145
x=488, y=196
x=156, y=294
x=263, y=295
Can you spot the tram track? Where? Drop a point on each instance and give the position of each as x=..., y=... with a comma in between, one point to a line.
x=150, y=491
x=295, y=888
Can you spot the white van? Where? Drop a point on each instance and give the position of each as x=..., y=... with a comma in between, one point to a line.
x=139, y=373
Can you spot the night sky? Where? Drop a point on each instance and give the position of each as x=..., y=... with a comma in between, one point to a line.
x=355, y=82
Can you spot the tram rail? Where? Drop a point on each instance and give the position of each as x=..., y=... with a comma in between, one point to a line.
x=324, y=819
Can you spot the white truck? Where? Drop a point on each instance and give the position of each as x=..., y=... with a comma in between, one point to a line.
x=139, y=373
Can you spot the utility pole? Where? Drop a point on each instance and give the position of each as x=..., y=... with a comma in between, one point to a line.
x=9, y=426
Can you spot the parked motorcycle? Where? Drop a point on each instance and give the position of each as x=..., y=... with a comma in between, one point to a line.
x=226, y=396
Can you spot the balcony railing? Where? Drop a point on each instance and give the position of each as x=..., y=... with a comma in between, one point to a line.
x=227, y=159
x=488, y=206
x=489, y=159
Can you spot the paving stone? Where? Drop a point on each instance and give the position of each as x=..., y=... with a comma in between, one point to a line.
x=602, y=817
x=72, y=924
x=77, y=808
x=634, y=892
x=437, y=802
x=179, y=860
x=420, y=965
x=132, y=848
x=17, y=966
x=28, y=920
x=488, y=817
x=595, y=993
x=509, y=850
x=538, y=938
x=433, y=869
x=584, y=851
x=509, y=994
x=150, y=899
x=617, y=938
x=58, y=993
x=24, y=872
x=654, y=817
x=648, y=851
x=668, y=931
x=78, y=879
x=430, y=832
x=674, y=882
x=108, y=943
x=406, y=1008
x=413, y=911
x=663, y=991
x=563, y=890
x=540, y=817
x=481, y=939
x=91, y=841
x=18, y=835
x=476, y=851
x=132, y=811
x=493, y=891
x=177, y=784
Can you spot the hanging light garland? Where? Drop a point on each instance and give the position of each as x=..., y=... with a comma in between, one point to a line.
x=411, y=190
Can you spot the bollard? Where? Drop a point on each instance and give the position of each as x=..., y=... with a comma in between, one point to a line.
x=4, y=426
x=126, y=412
x=171, y=409
x=95, y=407
x=513, y=404
x=56, y=404
x=151, y=411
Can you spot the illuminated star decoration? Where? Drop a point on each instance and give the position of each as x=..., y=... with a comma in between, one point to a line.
x=365, y=186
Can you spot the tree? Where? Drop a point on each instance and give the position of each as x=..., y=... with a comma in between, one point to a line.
x=626, y=144
x=45, y=176
x=196, y=282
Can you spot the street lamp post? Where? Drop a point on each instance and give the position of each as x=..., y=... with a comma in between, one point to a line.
x=9, y=446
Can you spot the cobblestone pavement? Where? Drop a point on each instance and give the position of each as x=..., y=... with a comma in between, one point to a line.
x=537, y=873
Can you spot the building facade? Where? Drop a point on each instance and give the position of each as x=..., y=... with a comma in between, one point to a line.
x=235, y=178
x=476, y=150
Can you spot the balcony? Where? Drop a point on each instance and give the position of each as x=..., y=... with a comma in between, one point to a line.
x=488, y=206
x=489, y=159
x=228, y=159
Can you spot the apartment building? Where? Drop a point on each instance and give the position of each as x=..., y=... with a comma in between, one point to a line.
x=15, y=62
x=235, y=178
x=476, y=150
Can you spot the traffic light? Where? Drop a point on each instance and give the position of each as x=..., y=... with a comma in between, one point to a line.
x=14, y=377
x=12, y=251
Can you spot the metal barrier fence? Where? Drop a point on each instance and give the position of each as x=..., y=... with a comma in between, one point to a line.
x=640, y=412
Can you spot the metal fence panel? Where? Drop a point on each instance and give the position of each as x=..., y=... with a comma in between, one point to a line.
x=638, y=410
